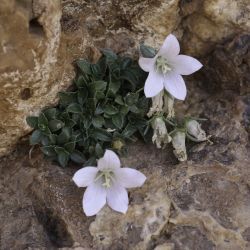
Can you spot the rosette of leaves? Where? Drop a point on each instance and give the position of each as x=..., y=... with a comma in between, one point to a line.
x=105, y=109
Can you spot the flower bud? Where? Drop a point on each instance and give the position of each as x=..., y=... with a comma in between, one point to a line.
x=157, y=104
x=160, y=136
x=178, y=142
x=118, y=144
x=168, y=105
x=195, y=130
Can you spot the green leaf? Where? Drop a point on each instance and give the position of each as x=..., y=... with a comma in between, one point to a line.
x=102, y=65
x=42, y=120
x=134, y=109
x=84, y=66
x=131, y=98
x=64, y=136
x=50, y=113
x=98, y=121
x=129, y=130
x=99, y=110
x=74, y=108
x=109, y=54
x=114, y=86
x=137, y=121
x=119, y=100
x=76, y=134
x=36, y=137
x=81, y=81
x=49, y=150
x=147, y=51
x=96, y=71
x=32, y=121
x=87, y=122
x=53, y=138
x=77, y=157
x=55, y=125
x=98, y=150
x=110, y=110
x=101, y=134
x=118, y=120
x=82, y=95
x=45, y=140
x=67, y=97
x=70, y=146
x=100, y=85
x=143, y=105
x=45, y=130
x=130, y=76
x=69, y=123
x=62, y=156
x=126, y=62
x=90, y=162
x=124, y=110
x=91, y=105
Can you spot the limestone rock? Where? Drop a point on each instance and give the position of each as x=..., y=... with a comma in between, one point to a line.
x=36, y=58
x=202, y=204
x=29, y=41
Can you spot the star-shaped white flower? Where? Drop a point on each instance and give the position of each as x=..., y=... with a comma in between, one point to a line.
x=107, y=183
x=166, y=68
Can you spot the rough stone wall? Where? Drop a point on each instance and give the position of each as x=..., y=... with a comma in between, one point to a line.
x=30, y=35
x=37, y=48
x=202, y=204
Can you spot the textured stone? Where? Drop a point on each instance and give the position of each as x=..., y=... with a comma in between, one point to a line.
x=36, y=58
x=202, y=204
x=29, y=41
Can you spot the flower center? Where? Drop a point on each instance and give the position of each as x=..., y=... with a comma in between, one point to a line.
x=162, y=65
x=107, y=177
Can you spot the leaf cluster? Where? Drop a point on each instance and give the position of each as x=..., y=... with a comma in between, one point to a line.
x=105, y=109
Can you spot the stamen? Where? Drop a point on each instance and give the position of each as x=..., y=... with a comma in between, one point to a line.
x=162, y=65
x=108, y=178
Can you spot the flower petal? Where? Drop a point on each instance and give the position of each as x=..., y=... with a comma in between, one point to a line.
x=117, y=198
x=110, y=160
x=185, y=65
x=175, y=85
x=147, y=64
x=129, y=178
x=170, y=47
x=94, y=198
x=85, y=176
x=153, y=84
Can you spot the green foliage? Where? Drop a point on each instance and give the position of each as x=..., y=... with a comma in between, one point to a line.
x=105, y=108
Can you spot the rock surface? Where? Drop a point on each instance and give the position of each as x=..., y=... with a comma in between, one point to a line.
x=202, y=204
x=36, y=57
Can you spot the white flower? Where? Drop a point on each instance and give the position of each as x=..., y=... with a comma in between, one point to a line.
x=194, y=129
x=160, y=136
x=166, y=68
x=178, y=142
x=107, y=183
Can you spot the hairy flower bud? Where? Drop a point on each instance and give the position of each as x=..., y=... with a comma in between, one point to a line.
x=195, y=130
x=118, y=144
x=160, y=136
x=168, y=107
x=178, y=142
x=157, y=104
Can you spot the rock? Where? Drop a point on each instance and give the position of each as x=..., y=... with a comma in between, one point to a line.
x=228, y=67
x=147, y=214
x=29, y=38
x=36, y=57
x=201, y=204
